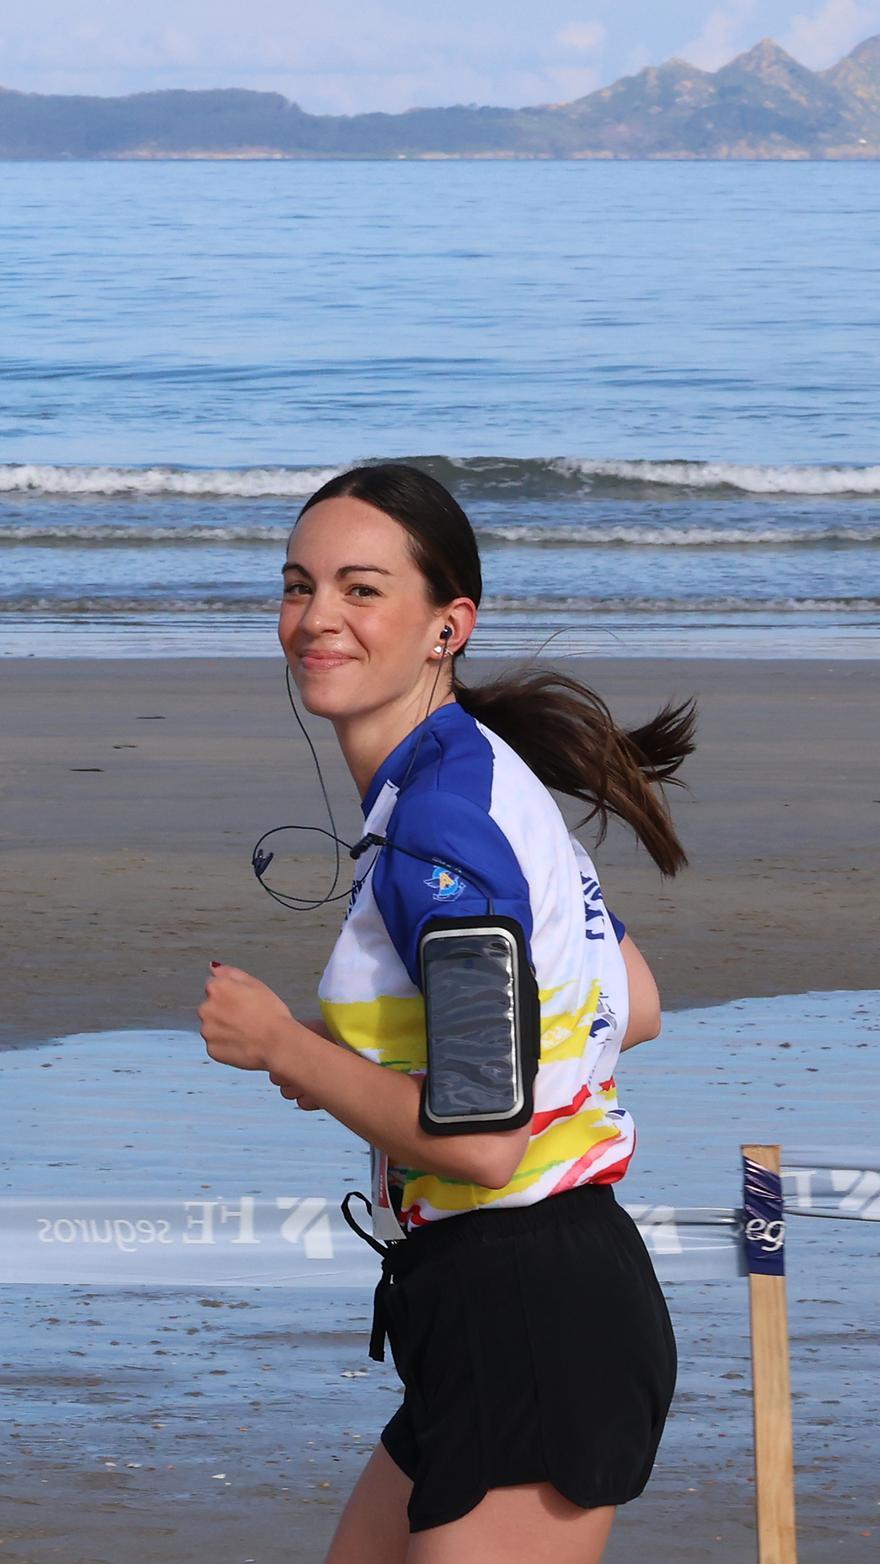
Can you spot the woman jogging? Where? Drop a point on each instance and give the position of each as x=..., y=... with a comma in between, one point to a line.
x=520, y=1304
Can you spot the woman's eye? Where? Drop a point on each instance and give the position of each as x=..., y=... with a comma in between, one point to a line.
x=302, y=589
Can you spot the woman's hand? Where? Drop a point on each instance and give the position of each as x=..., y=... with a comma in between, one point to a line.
x=293, y=1093
x=289, y=1088
x=240, y=1017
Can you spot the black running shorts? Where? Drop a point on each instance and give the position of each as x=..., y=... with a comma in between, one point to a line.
x=534, y=1344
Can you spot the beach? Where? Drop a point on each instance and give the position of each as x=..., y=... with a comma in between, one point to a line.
x=134, y=793
x=233, y=1424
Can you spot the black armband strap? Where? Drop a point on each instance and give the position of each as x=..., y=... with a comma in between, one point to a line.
x=483, y=1025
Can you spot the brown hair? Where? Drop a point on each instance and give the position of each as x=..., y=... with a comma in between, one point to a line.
x=562, y=729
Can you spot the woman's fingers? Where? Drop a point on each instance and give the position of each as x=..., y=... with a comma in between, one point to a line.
x=293, y=1094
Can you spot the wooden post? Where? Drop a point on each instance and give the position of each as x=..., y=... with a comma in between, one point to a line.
x=771, y=1388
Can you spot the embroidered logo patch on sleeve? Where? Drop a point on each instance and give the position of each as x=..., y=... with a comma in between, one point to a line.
x=445, y=885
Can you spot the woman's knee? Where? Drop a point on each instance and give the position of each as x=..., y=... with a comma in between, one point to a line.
x=374, y=1526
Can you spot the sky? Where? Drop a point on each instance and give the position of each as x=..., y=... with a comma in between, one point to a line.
x=350, y=56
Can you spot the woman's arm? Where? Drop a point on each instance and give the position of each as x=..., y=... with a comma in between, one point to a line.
x=319, y=1027
x=644, y=998
x=306, y=1102
x=381, y=1105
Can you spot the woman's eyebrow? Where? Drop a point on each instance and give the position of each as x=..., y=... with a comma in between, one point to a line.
x=344, y=570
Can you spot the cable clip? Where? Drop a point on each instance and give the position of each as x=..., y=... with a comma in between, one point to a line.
x=370, y=840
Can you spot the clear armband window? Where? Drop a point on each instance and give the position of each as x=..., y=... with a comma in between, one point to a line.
x=483, y=1025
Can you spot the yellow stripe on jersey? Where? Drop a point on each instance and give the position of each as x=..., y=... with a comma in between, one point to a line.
x=574, y=1140
x=388, y=1030
x=391, y=1030
x=565, y=1035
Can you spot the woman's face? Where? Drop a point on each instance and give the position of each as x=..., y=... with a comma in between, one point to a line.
x=356, y=626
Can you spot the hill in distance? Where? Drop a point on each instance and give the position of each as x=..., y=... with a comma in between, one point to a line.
x=763, y=104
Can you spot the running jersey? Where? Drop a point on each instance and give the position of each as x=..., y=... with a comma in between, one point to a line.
x=454, y=791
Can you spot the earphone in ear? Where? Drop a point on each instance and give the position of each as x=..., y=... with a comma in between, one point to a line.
x=445, y=633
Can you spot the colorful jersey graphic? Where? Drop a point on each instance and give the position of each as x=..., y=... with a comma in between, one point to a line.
x=472, y=820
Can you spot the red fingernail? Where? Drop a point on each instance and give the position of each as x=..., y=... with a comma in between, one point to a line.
x=216, y=963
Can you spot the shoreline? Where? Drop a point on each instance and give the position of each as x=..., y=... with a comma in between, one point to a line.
x=135, y=790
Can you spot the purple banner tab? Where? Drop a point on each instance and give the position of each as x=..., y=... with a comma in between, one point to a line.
x=764, y=1224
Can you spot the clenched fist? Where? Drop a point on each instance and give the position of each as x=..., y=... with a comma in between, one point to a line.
x=240, y=1019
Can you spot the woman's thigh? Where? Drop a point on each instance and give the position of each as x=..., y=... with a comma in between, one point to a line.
x=374, y=1527
x=530, y=1523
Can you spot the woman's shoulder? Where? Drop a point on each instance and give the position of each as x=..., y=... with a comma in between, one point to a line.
x=468, y=760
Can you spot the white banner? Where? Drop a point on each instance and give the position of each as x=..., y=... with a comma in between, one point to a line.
x=291, y=1241
x=304, y=1241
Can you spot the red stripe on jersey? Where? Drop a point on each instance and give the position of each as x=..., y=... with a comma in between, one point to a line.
x=541, y=1120
x=612, y=1174
x=411, y=1216
x=572, y=1175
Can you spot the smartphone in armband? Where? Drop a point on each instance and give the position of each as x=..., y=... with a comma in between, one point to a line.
x=482, y=1017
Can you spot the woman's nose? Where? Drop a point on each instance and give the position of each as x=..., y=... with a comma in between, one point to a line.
x=318, y=614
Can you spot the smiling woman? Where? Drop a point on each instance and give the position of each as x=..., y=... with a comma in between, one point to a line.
x=350, y=631
x=505, y=1245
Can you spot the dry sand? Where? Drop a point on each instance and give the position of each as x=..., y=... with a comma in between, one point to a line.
x=133, y=793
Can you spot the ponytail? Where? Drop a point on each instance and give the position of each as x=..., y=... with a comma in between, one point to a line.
x=566, y=734
x=563, y=730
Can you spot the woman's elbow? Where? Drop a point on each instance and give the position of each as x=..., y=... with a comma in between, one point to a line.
x=643, y=1026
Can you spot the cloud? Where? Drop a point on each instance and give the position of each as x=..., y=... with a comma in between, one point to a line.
x=586, y=36
x=381, y=59
x=823, y=37
x=566, y=82
x=722, y=35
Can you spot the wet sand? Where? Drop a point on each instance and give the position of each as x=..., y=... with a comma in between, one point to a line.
x=128, y=867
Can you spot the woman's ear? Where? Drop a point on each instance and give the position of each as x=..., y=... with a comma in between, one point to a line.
x=459, y=621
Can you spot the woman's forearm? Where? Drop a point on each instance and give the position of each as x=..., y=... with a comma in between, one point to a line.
x=379, y=1104
x=320, y=1026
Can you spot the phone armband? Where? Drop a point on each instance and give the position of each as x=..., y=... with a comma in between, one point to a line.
x=482, y=1018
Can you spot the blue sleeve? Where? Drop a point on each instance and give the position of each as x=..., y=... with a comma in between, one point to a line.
x=619, y=928
x=409, y=890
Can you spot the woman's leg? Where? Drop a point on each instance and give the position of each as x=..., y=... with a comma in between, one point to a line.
x=374, y=1527
x=530, y=1523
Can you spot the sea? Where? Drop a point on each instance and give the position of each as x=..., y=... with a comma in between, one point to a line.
x=653, y=387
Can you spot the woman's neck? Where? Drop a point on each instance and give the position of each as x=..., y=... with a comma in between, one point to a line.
x=368, y=739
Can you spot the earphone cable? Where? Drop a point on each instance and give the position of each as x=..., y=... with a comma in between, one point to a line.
x=330, y=896
x=260, y=861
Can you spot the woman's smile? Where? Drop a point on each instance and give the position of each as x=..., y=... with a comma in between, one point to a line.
x=316, y=661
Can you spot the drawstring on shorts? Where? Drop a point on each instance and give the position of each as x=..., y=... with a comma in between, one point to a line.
x=380, y=1316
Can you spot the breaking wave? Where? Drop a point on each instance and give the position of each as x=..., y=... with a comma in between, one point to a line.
x=477, y=476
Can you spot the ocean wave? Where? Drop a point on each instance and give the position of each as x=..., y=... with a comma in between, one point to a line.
x=590, y=536
x=474, y=476
x=586, y=535
x=679, y=605
x=746, y=478
x=244, y=483
x=587, y=606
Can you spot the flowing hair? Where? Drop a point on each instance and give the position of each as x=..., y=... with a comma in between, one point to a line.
x=561, y=728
